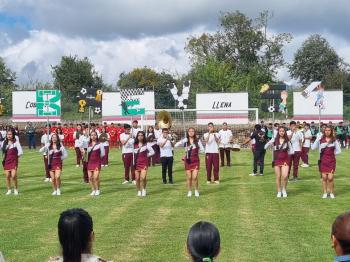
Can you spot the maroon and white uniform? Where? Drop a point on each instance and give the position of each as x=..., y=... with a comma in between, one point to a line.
x=95, y=155
x=141, y=156
x=55, y=156
x=127, y=156
x=327, y=154
x=191, y=159
x=13, y=151
x=281, y=152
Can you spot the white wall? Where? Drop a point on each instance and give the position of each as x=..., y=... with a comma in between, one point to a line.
x=305, y=110
x=222, y=107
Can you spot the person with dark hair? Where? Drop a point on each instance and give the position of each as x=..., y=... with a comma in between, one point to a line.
x=341, y=134
x=212, y=140
x=11, y=150
x=127, y=143
x=225, y=145
x=135, y=128
x=104, y=138
x=95, y=152
x=340, y=237
x=328, y=147
x=203, y=242
x=76, y=135
x=30, y=132
x=306, y=145
x=261, y=139
x=296, y=138
x=193, y=146
x=151, y=141
x=76, y=235
x=166, y=144
x=282, y=148
x=45, y=139
x=55, y=152
x=141, y=154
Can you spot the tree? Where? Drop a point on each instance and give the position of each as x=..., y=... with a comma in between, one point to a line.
x=315, y=60
x=7, y=85
x=150, y=80
x=240, y=56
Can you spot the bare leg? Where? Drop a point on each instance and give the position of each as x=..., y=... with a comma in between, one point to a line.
x=14, y=178
x=284, y=170
x=8, y=179
x=58, y=178
x=143, y=179
x=96, y=180
x=137, y=177
x=91, y=179
x=188, y=180
x=278, y=178
x=324, y=183
x=195, y=179
x=53, y=179
x=331, y=182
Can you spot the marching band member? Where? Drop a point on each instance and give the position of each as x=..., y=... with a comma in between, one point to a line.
x=306, y=145
x=282, y=148
x=56, y=153
x=193, y=146
x=212, y=140
x=45, y=139
x=119, y=131
x=77, y=134
x=152, y=142
x=295, y=137
x=157, y=134
x=127, y=154
x=225, y=144
x=166, y=144
x=329, y=147
x=142, y=152
x=95, y=153
x=105, y=138
x=11, y=150
x=60, y=134
x=83, y=146
x=134, y=128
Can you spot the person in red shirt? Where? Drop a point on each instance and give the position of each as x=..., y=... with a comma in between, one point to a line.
x=65, y=132
x=53, y=127
x=71, y=131
x=120, y=130
x=113, y=134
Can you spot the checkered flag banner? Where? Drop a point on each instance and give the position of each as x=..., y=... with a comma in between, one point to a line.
x=127, y=94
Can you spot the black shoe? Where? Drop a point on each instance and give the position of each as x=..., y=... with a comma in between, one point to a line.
x=171, y=182
x=164, y=182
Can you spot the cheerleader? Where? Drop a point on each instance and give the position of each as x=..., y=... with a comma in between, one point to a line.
x=77, y=144
x=329, y=147
x=56, y=153
x=192, y=147
x=11, y=150
x=282, y=148
x=95, y=153
x=142, y=152
x=105, y=138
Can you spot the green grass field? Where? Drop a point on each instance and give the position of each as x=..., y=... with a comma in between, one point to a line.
x=253, y=223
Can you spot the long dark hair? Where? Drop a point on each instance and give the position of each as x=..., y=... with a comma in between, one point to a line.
x=6, y=141
x=332, y=136
x=77, y=132
x=75, y=230
x=90, y=140
x=195, y=138
x=285, y=137
x=58, y=142
x=203, y=241
x=341, y=231
x=144, y=141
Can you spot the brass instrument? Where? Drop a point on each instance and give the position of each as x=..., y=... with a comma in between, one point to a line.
x=164, y=119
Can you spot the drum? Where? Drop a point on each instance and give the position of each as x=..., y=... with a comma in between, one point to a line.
x=236, y=147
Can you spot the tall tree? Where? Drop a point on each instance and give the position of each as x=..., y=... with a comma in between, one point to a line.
x=315, y=60
x=7, y=85
x=150, y=80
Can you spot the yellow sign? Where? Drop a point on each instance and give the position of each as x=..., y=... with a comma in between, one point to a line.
x=82, y=104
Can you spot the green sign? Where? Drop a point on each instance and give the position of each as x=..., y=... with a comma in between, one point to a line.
x=129, y=110
x=48, y=103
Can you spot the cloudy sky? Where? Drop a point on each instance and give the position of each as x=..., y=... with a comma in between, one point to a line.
x=119, y=35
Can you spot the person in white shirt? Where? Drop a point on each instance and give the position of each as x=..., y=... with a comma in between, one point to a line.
x=76, y=136
x=212, y=141
x=152, y=142
x=56, y=153
x=157, y=134
x=104, y=138
x=225, y=144
x=296, y=138
x=135, y=129
x=11, y=150
x=306, y=145
x=166, y=144
x=83, y=145
x=127, y=143
x=45, y=139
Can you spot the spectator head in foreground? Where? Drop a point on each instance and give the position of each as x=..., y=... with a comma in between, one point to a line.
x=341, y=237
x=75, y=233
x=203, y=242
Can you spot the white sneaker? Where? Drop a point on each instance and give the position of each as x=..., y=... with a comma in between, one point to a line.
x=106, y=165
x=93, y=193
x=77, y=166
x=58, y=192
x=50, y=179
x=189, y=194
x=139, y=193
x=217, y=182
x=284, y=193
x=261, y=174
x=143, y=192
x=97, y=192
x=8, y=192
x=324, y=195
x=54, y=193
x=125, y=182
x=252, y=174
x=102, y=165
x=279, y=194
x=304, y=165
x=331, y=195
x=15, y=191
x=196, y=193
x=47, y=179
x=133, y=182
x=208, y=182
